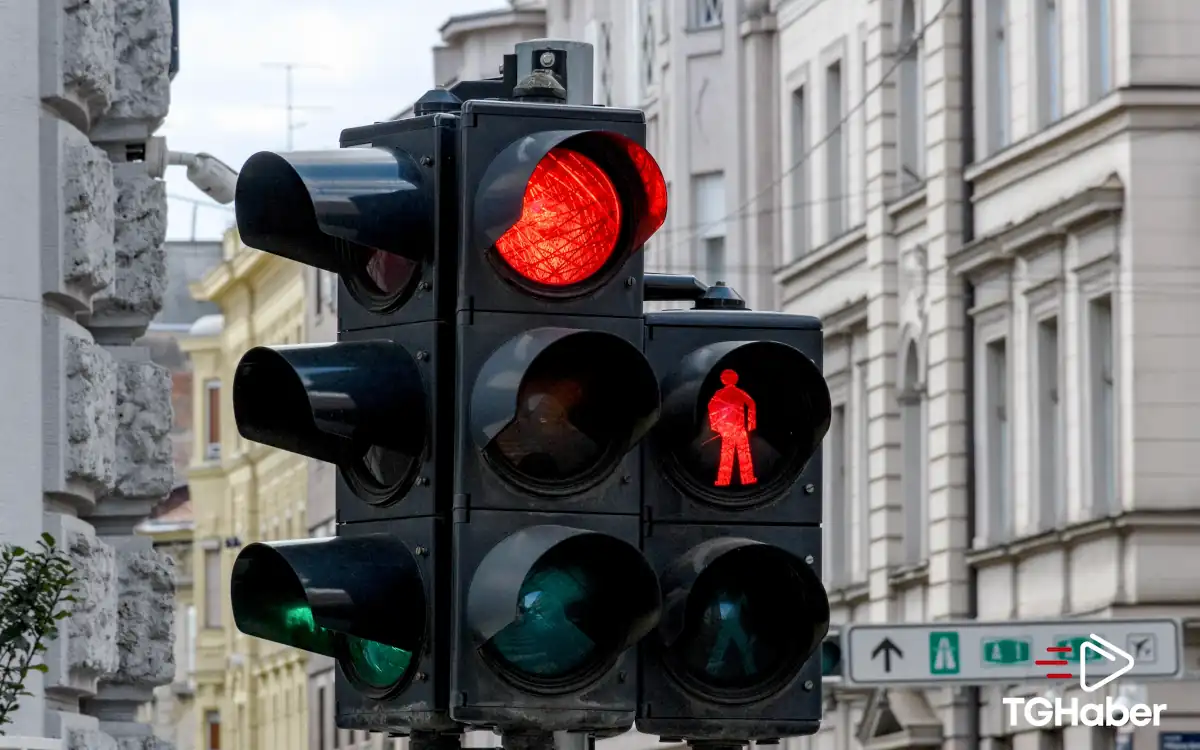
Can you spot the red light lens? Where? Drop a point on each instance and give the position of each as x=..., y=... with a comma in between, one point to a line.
x=570, y=222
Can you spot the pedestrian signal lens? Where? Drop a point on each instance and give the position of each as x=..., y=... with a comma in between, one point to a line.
x=741, y=420
x=753, y=618
x=570, y=222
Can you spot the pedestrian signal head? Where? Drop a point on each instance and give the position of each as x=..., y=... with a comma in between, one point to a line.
x=741, y=619
x=559, y=212
x=554, y=410
x=740, y=421
x=364, y=213
x=360, y=600
x=551, y=608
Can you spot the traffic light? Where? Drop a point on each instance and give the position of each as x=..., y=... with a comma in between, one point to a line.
x=379, y=213
x=733, y=502
x=831, y=657
x=554, y=392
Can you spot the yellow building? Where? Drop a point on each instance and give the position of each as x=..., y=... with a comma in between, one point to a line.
x=250, y=694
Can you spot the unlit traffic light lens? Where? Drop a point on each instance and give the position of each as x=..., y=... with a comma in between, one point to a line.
x=376, y=664
x=751, y=622
x=557, y=416
x=569, y=225
x=549, y=639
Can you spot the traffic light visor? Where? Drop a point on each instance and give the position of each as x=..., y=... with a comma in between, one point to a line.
x=741, y=619
x=366, y=213
x=741, y=419
x=552, y=608
x=336, y=596
x=359, y=405
x=561, y=211
x=554, y=410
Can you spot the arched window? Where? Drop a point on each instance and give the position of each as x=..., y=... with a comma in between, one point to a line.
x=912, y=419
x=911, y=100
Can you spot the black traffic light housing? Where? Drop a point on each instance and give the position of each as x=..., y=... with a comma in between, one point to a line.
x=553, y=394
x=733, y=523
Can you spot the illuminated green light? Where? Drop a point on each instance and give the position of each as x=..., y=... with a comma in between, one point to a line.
x=292, y=624
x=548, y=639
x=376, y=664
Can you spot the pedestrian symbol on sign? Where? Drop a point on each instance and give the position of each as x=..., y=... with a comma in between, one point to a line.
x=943, y=653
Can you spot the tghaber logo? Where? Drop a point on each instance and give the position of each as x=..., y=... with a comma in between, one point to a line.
x=1041, y=711
x=1105, y=650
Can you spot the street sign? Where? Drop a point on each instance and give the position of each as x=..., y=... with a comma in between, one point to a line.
x=981, y=652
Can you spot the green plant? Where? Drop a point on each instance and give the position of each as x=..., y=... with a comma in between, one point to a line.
x=35, y=593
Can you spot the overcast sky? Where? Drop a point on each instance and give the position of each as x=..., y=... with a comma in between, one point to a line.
x=359, y=61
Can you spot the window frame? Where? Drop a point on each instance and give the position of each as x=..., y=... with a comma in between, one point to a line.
x=212, y=419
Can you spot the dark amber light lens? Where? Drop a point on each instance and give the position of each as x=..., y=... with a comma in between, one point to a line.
x=570, y=222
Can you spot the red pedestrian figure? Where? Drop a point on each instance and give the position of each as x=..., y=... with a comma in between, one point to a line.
x=731, y=414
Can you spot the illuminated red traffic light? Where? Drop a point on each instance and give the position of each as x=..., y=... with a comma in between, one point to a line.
x=559, y=214
x=570, y=221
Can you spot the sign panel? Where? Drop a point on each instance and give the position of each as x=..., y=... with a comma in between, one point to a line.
x=1179, y=741
x=1098, y=651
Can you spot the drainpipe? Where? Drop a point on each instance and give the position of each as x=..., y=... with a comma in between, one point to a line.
x=974, y=703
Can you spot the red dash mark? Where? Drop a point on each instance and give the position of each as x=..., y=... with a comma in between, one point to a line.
x=1056, y=663
x=733, y=416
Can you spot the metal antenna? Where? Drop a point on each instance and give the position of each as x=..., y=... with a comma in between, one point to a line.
x=289, y=102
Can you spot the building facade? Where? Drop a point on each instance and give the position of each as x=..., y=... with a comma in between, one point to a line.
x=989, y=206
x=704, y=71
x=171, y=712
x=250, y=694
x=84, y=431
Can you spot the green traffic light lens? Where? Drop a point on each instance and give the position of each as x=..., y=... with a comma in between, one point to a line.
x=378, y=665
x=747, y=631
x=555, y=611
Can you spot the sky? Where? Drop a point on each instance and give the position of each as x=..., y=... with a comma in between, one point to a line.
x=358, y=62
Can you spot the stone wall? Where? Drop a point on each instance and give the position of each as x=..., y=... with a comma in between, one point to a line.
x=106, y=407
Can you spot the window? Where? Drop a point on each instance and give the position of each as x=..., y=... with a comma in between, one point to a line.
x=1103, y=406
x=998, y=93
x=710, y=218
x=321, y=720
x=835, y=151
x=648, y=44
x=910, y=103
x=1049, y=62
x=1047, y=454
x=1100, y=41
x=212, y=588
x=801, y=175
x=913, y=452
x=862, y=121
x=708, y=13
x=212, y=726
x=996, y=423
x=837, y=499
x=212, y=420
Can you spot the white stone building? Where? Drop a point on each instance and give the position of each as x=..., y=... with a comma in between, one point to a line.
x=703, y=70
x=85, y=449
x=1000, y=244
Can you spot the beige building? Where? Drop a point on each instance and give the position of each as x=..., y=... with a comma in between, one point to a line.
x=172, y=711
x=250, y=694
x=1004, y=266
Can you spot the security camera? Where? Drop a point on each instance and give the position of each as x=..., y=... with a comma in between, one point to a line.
x=214, y=177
